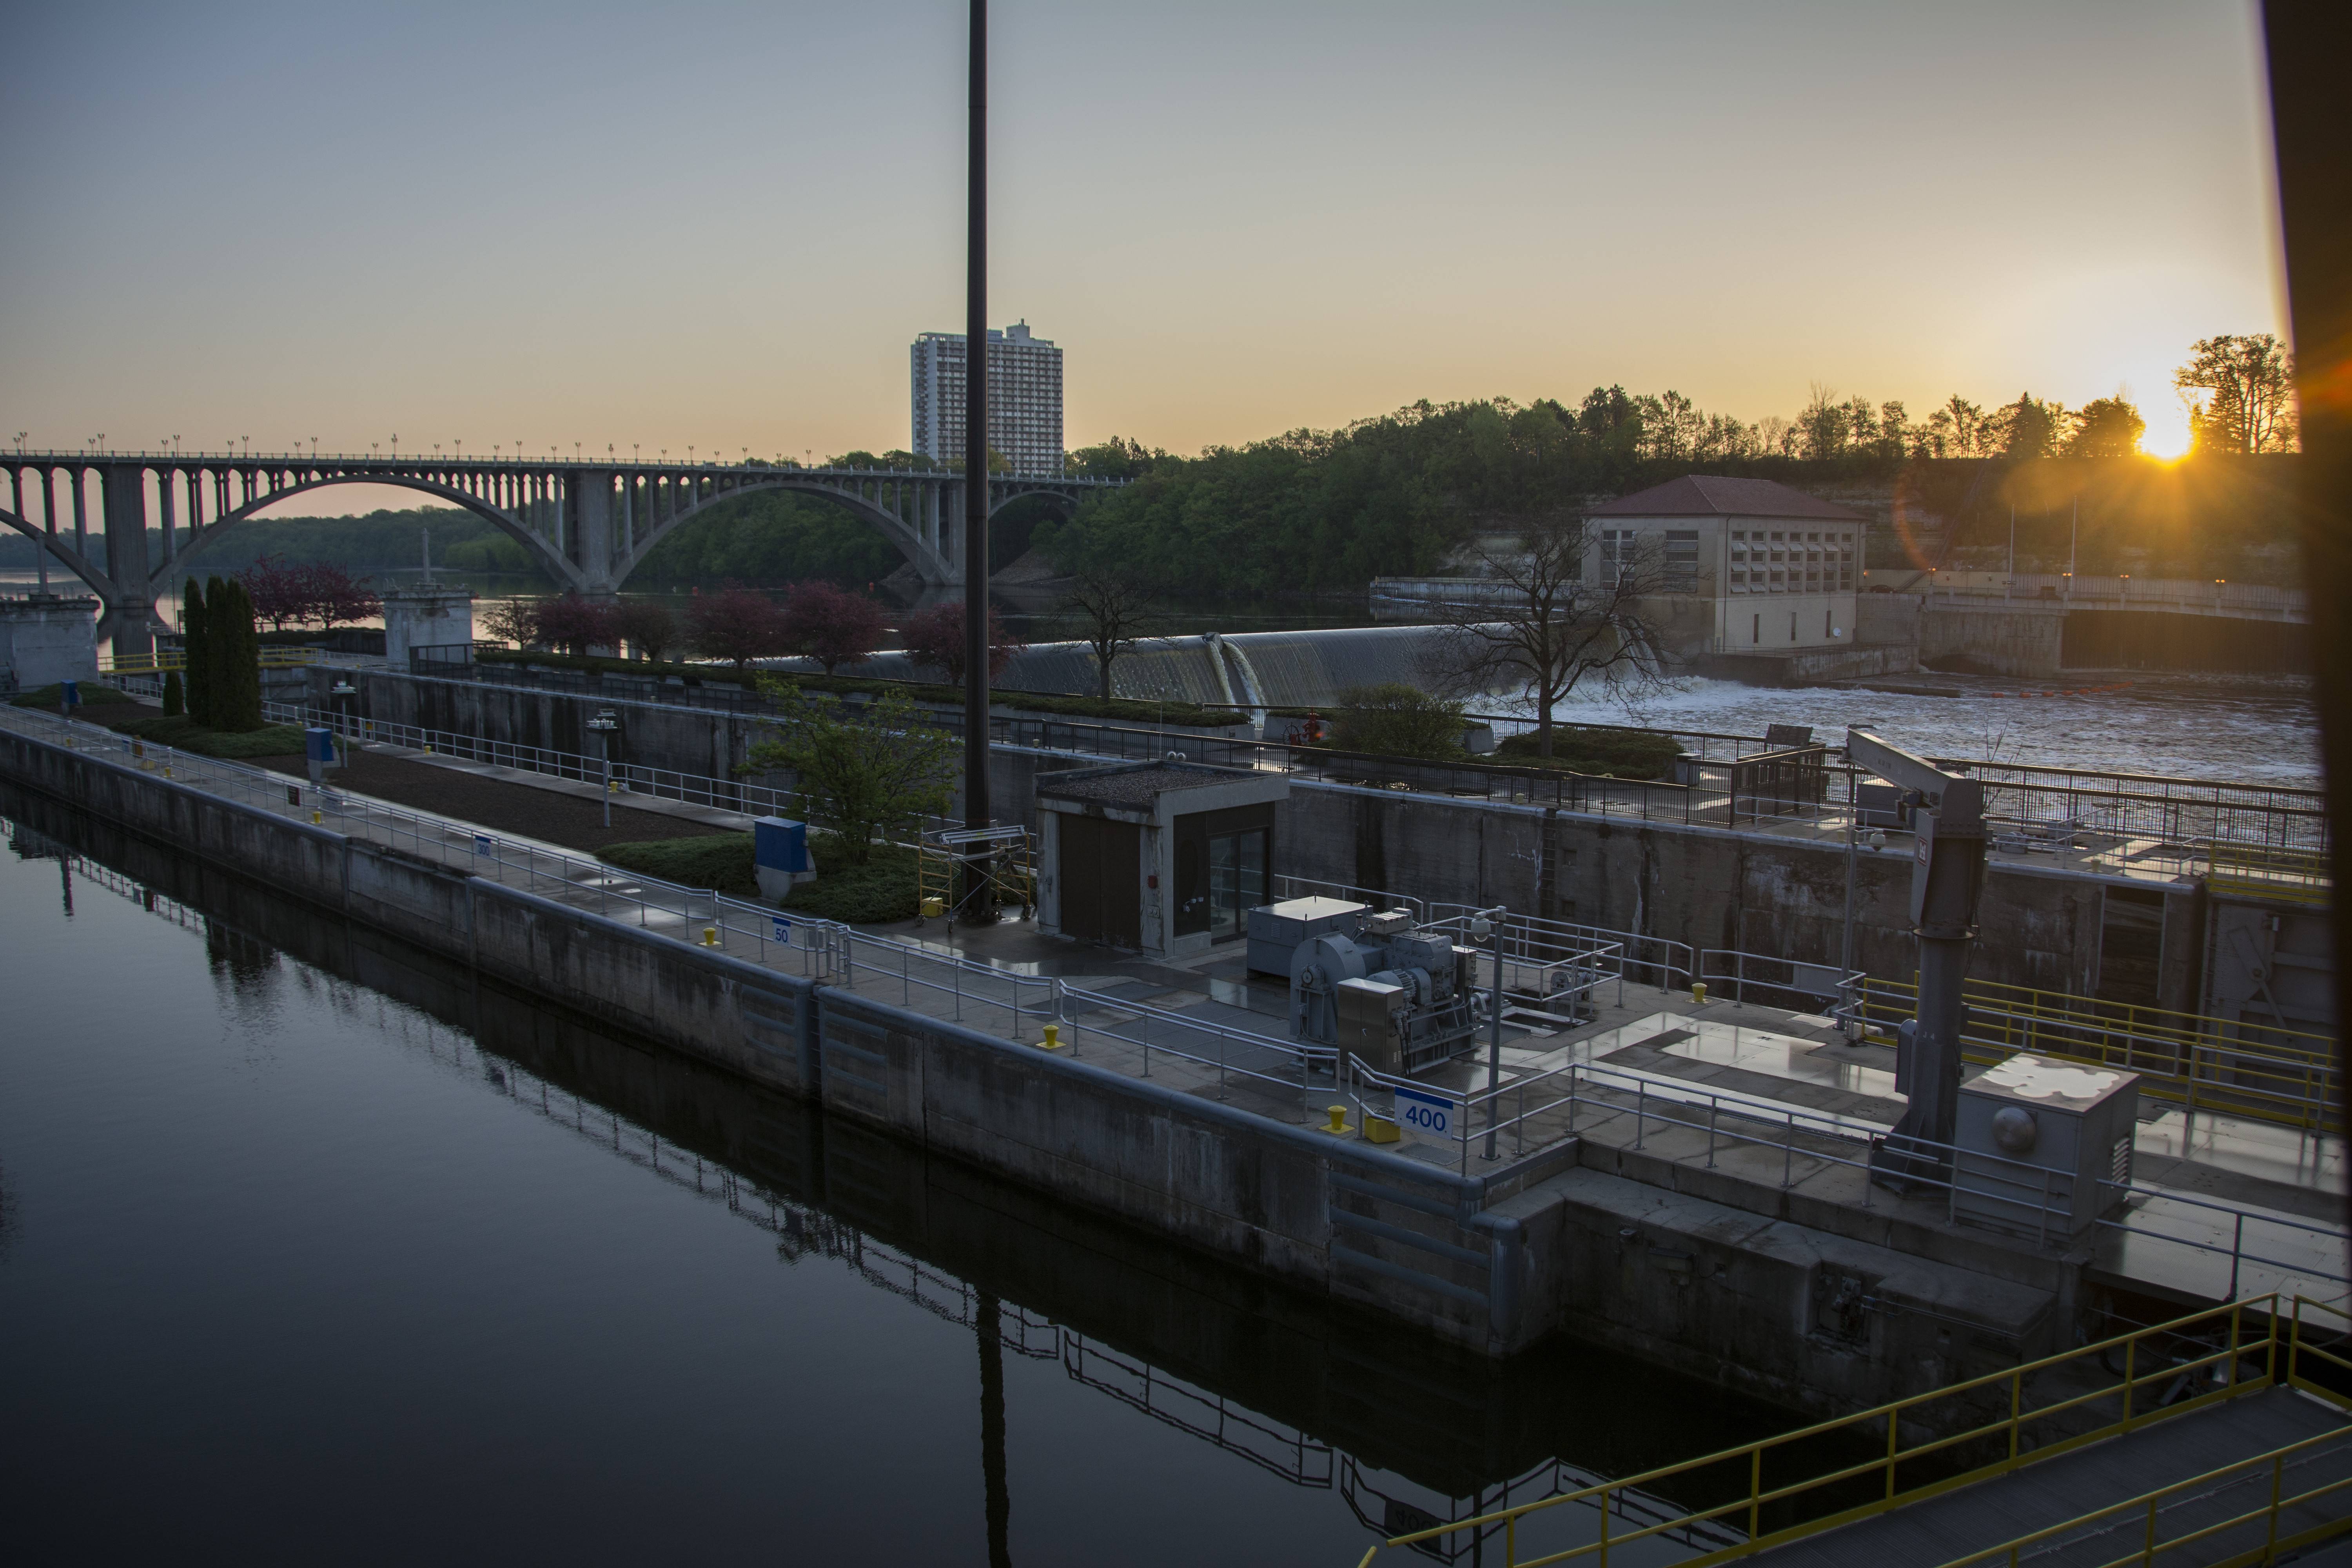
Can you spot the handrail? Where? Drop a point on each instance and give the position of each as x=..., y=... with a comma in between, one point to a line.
x=2266, y=1072
x=2228, y=1320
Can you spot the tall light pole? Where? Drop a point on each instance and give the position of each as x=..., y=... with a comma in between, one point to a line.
x=976, y=805
x=1485, y=923
x=604, y=724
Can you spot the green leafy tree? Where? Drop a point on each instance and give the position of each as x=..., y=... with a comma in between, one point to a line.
x=869, y=768
x=1393, y=720
x=2240, y=391
x=1822, y=423
x=2105, y=427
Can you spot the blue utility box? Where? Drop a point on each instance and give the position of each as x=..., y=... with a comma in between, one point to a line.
x=780, y=855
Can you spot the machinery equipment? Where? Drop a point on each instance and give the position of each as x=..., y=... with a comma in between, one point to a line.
x=1947, y=876
x=1400, y=999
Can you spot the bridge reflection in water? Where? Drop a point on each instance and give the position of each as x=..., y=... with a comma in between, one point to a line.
x=1407, y=1432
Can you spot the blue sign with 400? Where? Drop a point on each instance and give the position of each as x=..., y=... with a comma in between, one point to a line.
x=1425, y=1112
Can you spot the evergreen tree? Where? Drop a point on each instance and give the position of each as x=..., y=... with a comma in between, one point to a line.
x=236, y=643
x=194, y=619
x=174, y=704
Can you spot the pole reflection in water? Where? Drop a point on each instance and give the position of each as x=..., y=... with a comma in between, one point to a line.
x=276, y=1261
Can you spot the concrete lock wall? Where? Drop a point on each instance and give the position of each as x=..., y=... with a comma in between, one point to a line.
x=1712, y=887
x=1490, y=1265
x=1993, y=639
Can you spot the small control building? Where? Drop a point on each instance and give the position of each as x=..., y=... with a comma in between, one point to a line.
x=1165, y=858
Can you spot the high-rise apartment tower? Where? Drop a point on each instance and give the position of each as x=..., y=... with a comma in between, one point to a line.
x=1024, y=397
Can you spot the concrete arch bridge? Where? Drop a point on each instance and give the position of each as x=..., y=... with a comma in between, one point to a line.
x=589, y=523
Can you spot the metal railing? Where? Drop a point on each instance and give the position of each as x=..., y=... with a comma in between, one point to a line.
x=1774, y=1508
x=2265, y=1072
x=627, y=778
x=2127, y=821
x=272, y=656
x=1789, y=980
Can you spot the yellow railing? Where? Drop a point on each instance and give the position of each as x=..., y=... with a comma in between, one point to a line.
x=2019, y=1435
x=163, y=663
x=2296, y=876
x=2152, y=1503
x=2289, y=1077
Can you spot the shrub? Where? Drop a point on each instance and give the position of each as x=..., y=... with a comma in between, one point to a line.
x=1394, y=720
x=720, y=861
x=1617, y=754
x=881, y=889
x=175, y=701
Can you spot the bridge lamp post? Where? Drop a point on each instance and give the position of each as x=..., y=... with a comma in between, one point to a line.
x=604, y=724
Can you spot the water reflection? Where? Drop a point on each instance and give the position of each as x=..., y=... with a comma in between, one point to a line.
x=1267, y=1381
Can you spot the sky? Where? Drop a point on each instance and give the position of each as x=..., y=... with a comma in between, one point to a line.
x=719, y=226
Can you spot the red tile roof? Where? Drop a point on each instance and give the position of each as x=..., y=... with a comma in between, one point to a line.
x=1705, y=495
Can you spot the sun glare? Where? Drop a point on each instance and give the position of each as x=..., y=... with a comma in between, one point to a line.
x=2167, y=436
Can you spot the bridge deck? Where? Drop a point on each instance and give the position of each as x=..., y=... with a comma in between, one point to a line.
x=2180, y=1448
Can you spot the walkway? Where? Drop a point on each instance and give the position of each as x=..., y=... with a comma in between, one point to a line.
x=2172, y=1453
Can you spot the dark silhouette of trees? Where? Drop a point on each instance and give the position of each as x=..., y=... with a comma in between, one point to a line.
x=2247, y=395
x=1538, y=626
x=935, y=637
x=737, y=625
x=831, y=625
x=1112, y=610
x=647, y=625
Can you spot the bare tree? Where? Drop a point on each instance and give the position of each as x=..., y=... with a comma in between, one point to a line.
x=1537, y=625
x=1114, y=609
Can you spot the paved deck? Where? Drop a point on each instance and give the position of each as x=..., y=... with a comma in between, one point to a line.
x=1941, y=1529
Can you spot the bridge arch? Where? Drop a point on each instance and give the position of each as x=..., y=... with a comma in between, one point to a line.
x=929, y=564
x=566, y=573
x=96, y=581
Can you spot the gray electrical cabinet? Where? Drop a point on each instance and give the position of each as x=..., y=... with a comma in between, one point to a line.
x=1277, y=931
x=2039, y=1140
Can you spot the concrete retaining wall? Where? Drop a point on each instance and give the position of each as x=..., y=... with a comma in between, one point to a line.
x=1993, y=639
x=1491, y=1266
x=1710, y=888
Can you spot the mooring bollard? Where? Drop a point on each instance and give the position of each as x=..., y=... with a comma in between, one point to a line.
x=710, y=936
x=1053, y=1040
x=1698, y=995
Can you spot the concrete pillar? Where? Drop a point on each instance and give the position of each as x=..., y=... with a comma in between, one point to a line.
x=124, y=498
x=163, y=481
x=82, y=516
x=436, y=616
x=628, y=516
x=591, y=516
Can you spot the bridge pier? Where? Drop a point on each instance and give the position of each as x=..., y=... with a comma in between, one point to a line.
x=123, y=502
x=591, y=530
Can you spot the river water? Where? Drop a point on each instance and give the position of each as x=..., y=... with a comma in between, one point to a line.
x=2186, y=726
x=314, y=1246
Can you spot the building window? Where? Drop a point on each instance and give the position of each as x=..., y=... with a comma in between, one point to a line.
x=1845, y=564
x=1681, y=560
x=1738, y=579
x=1616, y=553
x=1756, y=629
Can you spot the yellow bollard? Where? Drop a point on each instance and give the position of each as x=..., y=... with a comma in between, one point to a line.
x=1339, y=1119
x=167, y=770
x=1053, y=1040
x=316, y=818
x=1698, y=995
x=710, y=936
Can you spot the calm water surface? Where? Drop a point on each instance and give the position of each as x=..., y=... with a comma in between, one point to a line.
x=312, y=1247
